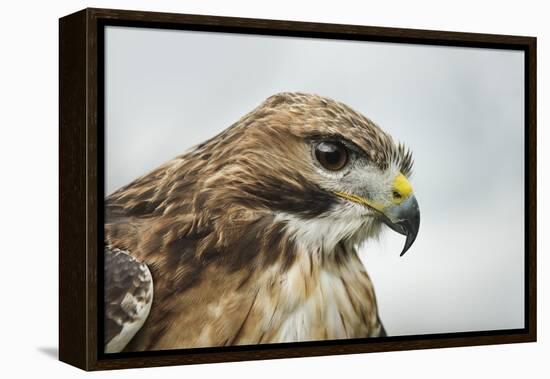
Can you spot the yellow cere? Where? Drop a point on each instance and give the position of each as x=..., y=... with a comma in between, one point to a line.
x=402, y=188
x=401, y=191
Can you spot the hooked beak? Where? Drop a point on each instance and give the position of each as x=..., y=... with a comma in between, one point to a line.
x=404, y=218
x=403, y=215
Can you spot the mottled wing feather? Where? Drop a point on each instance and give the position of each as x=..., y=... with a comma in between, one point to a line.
x=128, y=298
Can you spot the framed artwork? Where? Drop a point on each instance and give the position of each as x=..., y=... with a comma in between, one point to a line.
x=238, y=189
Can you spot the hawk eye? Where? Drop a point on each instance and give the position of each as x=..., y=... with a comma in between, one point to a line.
x=333, y=156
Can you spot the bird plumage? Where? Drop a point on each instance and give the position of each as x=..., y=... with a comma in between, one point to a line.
x=245, y=238
x=128, y=298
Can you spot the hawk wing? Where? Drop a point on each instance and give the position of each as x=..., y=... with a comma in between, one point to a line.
x=128, y=298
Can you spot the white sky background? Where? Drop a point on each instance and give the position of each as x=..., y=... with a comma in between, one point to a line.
x=460, y=110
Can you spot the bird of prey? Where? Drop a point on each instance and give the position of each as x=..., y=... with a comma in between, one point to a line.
x=251, y=236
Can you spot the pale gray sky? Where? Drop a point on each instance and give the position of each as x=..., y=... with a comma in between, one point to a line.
x=460, y=110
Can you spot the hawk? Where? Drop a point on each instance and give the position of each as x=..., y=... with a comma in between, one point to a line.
x=251, y=236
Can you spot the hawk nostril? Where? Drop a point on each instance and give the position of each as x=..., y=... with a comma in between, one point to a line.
x=397, y=195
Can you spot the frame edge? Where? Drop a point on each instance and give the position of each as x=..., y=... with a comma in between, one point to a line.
x=72, y=191
x=531, y=181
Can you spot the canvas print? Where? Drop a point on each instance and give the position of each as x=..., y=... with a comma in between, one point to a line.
x=264, y=189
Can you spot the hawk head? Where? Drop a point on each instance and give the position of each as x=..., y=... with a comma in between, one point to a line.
x=327, y=172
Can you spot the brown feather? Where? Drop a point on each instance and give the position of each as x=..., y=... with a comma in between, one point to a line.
x=225, y=270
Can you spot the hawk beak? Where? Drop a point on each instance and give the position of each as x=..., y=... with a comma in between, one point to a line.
x=404, y=218
x=403, y=215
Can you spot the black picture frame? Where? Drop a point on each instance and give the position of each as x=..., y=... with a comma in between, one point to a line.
x=81, y=162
